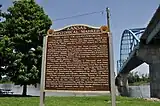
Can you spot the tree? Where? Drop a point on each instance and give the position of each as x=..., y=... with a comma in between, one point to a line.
x=137, y=77
x=134, y=77
x=131, y=78
x=2, y=46
x=24, y=22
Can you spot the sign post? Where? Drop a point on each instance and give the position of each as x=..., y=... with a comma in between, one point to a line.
x=112, y=76
x=43, y=66
x=111, y=55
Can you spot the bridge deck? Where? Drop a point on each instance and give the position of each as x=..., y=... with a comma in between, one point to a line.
x=152, y=28
x=132, y=62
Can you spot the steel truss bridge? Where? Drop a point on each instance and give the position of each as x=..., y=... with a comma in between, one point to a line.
x=129, y=40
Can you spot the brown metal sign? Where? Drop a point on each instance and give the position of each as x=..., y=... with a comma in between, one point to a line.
x=77, y=59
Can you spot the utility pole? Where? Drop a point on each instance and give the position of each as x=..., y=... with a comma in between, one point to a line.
x=108, y=18
x=111, y=58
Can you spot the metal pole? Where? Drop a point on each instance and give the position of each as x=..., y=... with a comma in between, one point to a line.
x=111, y=57
x=108, y=18
x=42, y=86
x=112, y=76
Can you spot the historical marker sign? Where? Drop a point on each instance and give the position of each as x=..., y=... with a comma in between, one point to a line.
x=77, y=59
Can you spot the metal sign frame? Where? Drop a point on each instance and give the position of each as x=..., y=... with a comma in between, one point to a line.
x=111, y=71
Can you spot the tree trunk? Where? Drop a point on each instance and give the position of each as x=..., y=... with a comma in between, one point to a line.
x=24, y=90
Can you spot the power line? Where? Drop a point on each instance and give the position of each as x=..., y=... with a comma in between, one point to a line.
x=80, y=15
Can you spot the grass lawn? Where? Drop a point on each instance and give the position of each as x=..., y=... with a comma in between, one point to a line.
x=139, y=83
x=1, y=82
x=74, y=101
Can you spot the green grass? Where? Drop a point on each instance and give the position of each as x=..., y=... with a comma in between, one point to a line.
x=74, y=101
x=139, y=83
x=7, y=82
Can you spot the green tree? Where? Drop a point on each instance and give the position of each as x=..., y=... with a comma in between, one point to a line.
x=24, y=22
x=131, y=78
x=137, y=77
x=6, y=54
x=2, y=44
x=134, y=77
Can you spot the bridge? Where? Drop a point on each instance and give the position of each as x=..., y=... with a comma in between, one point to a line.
x=137, y=46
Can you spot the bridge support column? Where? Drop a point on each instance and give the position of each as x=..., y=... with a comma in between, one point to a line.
x=154, y=70
x=122, y=84
x=151, y=55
